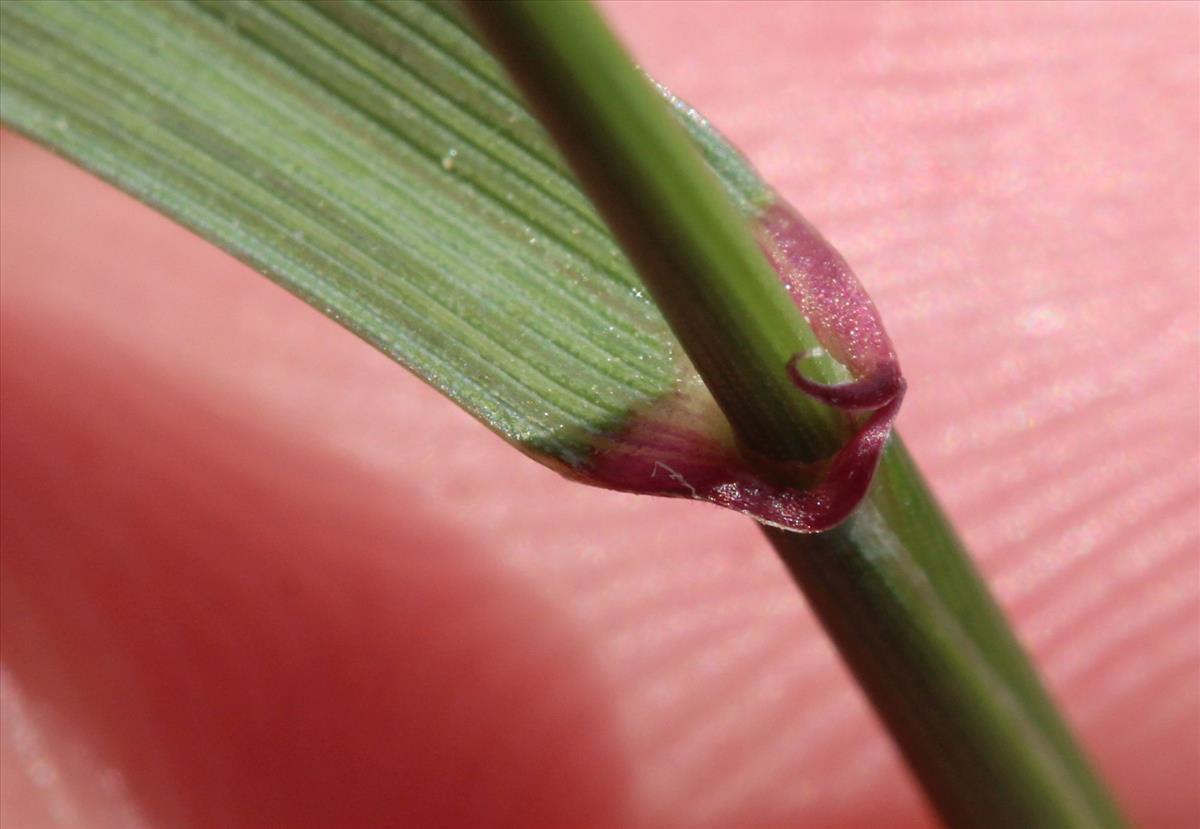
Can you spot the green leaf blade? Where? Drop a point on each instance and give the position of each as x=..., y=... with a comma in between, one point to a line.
x=348, y=202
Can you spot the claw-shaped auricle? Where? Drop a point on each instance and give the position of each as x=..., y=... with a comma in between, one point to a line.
x=671, y=450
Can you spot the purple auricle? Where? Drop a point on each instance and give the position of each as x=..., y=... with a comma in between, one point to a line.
x=682, y=447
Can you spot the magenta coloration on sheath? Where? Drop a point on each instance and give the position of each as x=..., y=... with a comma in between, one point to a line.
x=826, y=291
x=683, y=447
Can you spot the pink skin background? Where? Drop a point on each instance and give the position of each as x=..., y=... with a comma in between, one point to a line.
x=255, y=574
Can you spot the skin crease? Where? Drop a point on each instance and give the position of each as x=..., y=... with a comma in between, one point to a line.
x=253, y=574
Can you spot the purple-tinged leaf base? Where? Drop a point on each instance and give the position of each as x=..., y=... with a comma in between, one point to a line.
x=682, y=446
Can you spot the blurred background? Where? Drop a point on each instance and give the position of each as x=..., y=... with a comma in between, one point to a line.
x=253, y=573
